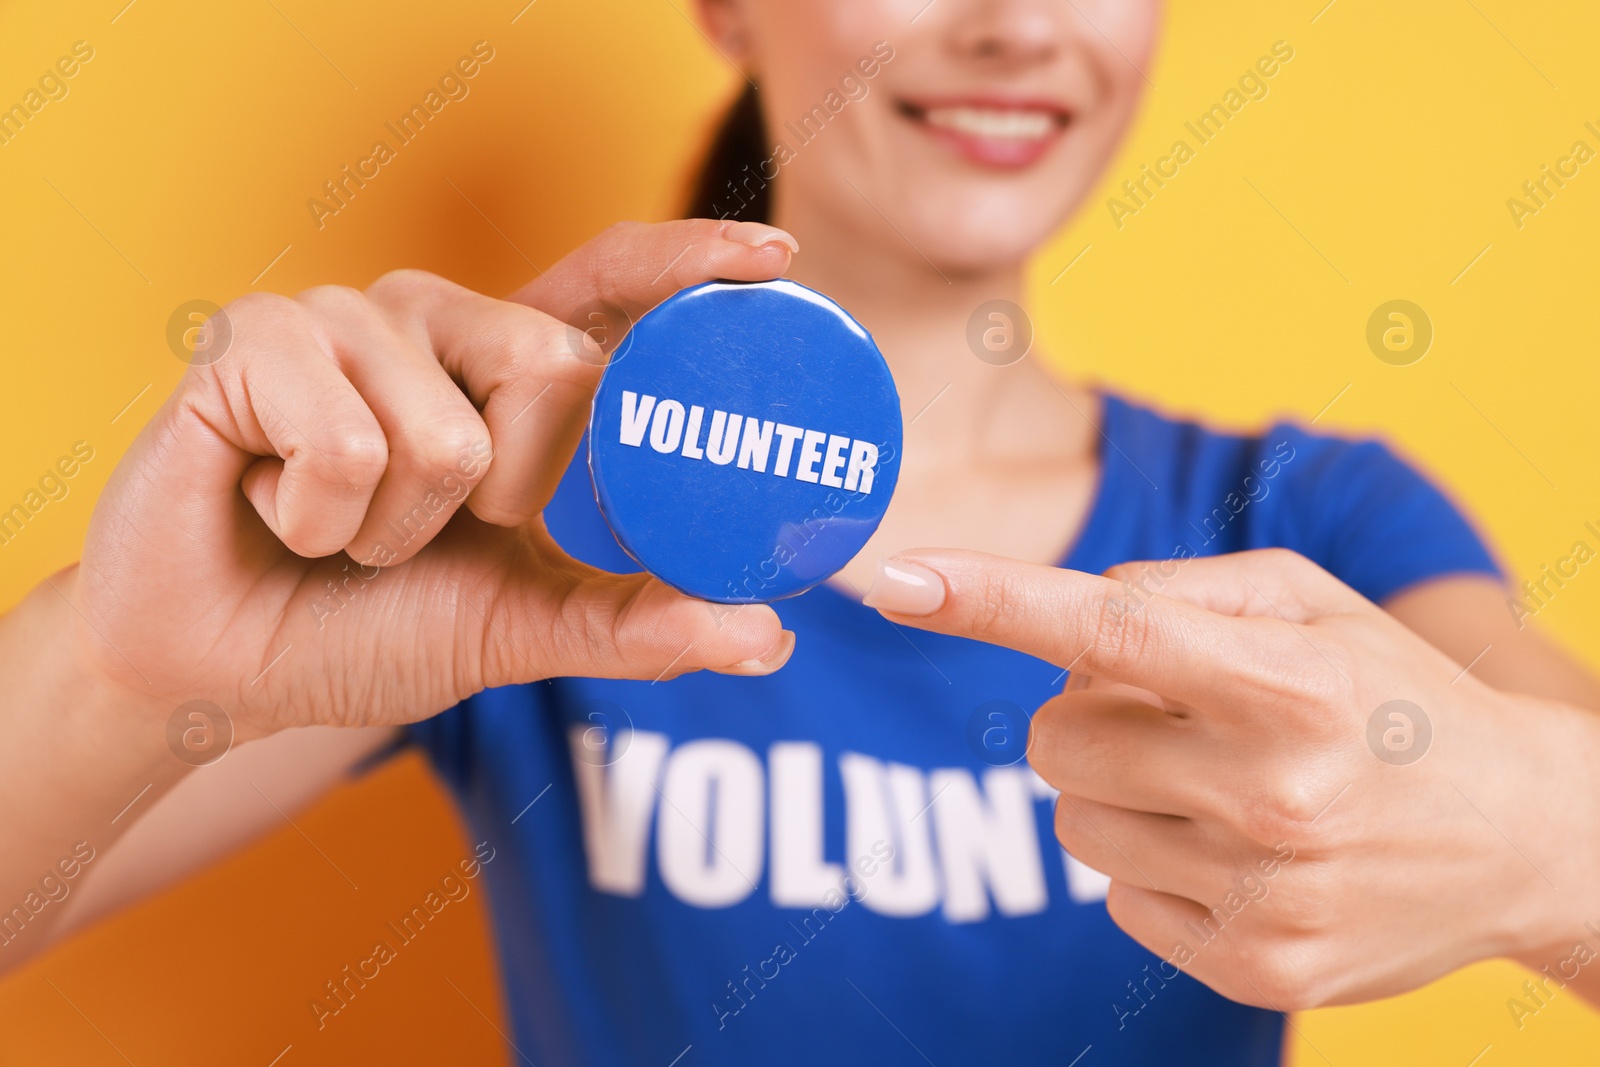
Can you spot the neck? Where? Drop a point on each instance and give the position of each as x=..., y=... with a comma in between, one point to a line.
x=956, y=407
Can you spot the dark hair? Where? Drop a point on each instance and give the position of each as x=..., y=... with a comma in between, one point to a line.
x=735, y=155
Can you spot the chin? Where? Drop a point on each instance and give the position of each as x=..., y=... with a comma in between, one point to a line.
x=985, y=231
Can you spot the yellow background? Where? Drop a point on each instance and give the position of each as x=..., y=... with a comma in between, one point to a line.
x=179, y=166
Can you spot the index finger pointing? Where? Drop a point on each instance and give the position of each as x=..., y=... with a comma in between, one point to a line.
x=630, y=268
x=1080, y=622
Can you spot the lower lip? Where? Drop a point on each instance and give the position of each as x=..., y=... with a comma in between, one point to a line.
x=1006, y=153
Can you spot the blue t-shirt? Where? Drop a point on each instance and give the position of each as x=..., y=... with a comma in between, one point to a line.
x=841, y=863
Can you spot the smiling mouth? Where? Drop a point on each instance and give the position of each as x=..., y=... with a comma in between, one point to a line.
x=992, y=133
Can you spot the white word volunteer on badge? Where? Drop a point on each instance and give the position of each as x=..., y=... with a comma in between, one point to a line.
x=825, y=459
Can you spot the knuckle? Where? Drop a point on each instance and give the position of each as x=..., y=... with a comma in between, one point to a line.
x=1121, y=572
x=688, y=265
x=1282, y=976
x=503, y=341
x=1063, y=819
x=269, y=310
x=1286, y=558
x=1305, y=676
x=403, y=284
x=617, y=244
x=1129, y=571
x=624, y=632
x=528, y=335
x=629, y=627
x=1294, y=801
x=589, y=636
x=331, y=298
x=623, y=232
x=996, y=601
x=1070, y=824
x=261, y=325
x=1317, y=686
x=1049, y=725
x=497, y=511
x=620, y=239
x=456, y=446
x=360, y=455
x=1139, y=581
x=1121, y=631
x=1289, y=810
x=507, y=344
x=551, y=347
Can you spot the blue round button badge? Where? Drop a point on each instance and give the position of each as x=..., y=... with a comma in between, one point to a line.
x=745, y=440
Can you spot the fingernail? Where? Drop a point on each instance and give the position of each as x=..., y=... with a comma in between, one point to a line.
x=757, y=234
x=905, y=588
x=768, y=663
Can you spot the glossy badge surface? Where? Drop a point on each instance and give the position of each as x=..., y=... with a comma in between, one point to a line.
x=745, y=440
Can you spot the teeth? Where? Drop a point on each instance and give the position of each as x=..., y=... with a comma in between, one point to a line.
x=1010, y=124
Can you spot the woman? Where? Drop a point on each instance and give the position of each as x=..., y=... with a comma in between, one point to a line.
x=804, y=833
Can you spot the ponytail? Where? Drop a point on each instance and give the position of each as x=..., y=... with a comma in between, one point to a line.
x=738, y=150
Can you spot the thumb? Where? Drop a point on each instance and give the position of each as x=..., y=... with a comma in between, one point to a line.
x=604, y=286
x=581, y=621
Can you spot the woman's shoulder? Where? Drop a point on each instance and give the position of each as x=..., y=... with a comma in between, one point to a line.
x=1352, y=503
x=1187, y=439
x=1195, y=451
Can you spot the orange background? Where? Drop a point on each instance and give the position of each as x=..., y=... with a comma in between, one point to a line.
x=178, y=168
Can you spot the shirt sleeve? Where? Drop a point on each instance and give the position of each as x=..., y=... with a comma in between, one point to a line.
x=447, y=739
x=1370, y=518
